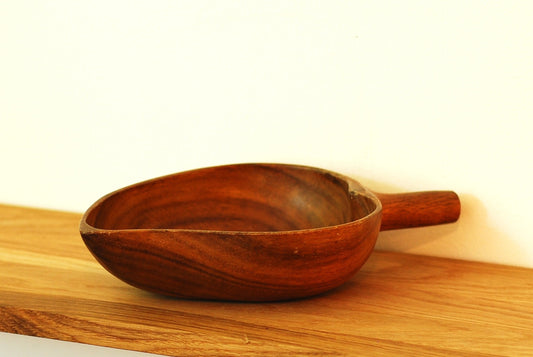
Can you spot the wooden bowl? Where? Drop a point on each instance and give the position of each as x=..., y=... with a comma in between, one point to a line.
x=249, y=232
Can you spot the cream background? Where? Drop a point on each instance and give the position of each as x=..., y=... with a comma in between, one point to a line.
x=406, y=95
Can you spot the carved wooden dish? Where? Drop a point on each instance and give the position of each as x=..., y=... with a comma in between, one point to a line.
x=249, y=232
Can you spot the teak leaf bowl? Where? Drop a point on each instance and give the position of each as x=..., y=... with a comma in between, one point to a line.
x=249, y=232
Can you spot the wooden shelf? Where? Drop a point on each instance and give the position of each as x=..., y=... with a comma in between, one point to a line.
x=398, y=304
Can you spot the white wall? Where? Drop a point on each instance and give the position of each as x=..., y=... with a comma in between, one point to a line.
x=403, y=95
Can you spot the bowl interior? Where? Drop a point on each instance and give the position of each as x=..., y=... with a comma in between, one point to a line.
x=250, y=197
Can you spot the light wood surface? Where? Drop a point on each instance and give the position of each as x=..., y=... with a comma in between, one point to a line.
x=398, y=304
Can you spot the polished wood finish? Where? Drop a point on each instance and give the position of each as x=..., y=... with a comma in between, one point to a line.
x=418, y=209
x=397, y=305
x=249, y=232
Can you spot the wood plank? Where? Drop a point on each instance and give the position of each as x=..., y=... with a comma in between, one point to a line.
x=398, y=304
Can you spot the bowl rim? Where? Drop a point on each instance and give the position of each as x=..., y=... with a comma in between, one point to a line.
x=353, y=188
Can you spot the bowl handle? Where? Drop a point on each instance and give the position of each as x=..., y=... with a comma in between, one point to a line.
x=416, y=209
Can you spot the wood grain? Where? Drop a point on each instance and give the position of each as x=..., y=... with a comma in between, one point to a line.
x=418, y=209
x=248, y=232
x=397, y=305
